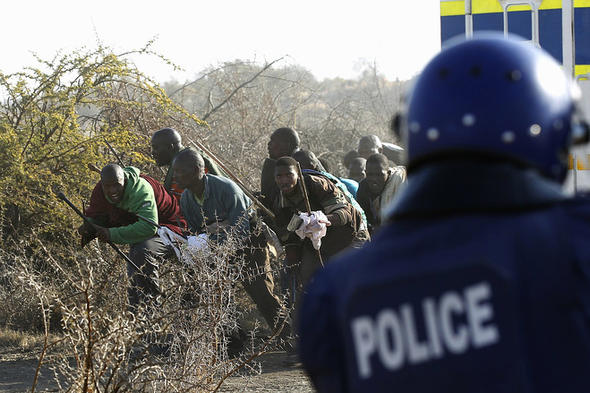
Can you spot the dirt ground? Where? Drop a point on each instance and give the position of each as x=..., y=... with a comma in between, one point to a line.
x=17, y=372
x=281, y=372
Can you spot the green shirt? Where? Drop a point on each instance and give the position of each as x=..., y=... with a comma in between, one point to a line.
x=138, y=198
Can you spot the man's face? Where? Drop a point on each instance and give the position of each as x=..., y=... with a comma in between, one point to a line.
x=186, y=175
x=286, y=179
x=357, y=170
x=367, y=148
x=113, y=188
x=162, y=151
x=376, y=177
x=277, y=147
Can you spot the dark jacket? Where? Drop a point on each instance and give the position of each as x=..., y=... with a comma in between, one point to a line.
x=268, y=186
x=479, y=282
x=325, y=196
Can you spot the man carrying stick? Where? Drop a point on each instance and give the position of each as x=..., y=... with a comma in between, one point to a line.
x=121, y=196
x=343, y=223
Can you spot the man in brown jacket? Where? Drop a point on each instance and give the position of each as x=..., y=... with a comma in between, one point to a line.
x=343, y=220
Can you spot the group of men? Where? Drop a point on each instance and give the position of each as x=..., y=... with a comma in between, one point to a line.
x=478, y=279
x=196, y=199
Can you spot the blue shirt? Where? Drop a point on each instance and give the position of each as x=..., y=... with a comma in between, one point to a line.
x=350, y=184
x=222, y=200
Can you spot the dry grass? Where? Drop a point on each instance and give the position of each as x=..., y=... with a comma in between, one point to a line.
x=22, y=341
x=176, y=343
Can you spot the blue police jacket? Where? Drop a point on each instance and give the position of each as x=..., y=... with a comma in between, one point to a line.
x=480, y=282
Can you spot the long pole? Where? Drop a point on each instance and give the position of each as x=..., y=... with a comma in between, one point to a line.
x=61, y=195
x=115, y=154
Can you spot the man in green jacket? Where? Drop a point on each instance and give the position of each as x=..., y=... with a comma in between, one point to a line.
x=118, y=201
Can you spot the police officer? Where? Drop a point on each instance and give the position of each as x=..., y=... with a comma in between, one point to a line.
x=480, y=282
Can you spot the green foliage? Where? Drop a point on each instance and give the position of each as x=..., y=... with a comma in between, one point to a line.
x=54, y=120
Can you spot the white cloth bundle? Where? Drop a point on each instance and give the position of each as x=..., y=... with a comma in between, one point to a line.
x=313, y=227
x=198, y=243
x=194, y=244
x=171, y=238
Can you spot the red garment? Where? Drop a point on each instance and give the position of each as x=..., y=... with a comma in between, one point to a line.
x=176, y=191
x=109, y=215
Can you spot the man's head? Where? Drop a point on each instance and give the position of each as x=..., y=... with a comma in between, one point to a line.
x=369, y=144
x=325, y=164
x=495, y=97
x=189, y=169
x=377, y=170
x=286, y=175
x=166, y=143
x=112, y=180
x=356, y=169
x=283, y=142
x=348, y=157
x=308, y=160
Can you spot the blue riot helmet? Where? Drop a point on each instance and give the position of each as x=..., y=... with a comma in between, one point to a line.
x=497, y=97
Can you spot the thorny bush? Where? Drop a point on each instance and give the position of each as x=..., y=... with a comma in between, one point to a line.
x=177, y=342
x=54, y=120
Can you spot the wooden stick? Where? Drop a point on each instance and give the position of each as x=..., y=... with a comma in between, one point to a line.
x=93, y=168
x=307, y=204
x=115, y=153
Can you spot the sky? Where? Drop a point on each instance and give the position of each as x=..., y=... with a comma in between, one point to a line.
x=329, y=38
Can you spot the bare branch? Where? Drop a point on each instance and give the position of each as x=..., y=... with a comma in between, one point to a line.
x=246, y=83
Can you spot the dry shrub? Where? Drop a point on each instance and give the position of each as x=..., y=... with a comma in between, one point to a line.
x=176, y=342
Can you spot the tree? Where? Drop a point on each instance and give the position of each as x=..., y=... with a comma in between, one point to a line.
x=54, y=120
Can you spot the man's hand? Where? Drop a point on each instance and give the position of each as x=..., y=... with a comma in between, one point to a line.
x=103, y=234
x=86, y=229
x=87, y=233
x=330, y=218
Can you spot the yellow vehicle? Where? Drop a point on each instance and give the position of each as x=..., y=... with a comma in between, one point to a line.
x=561, y=27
